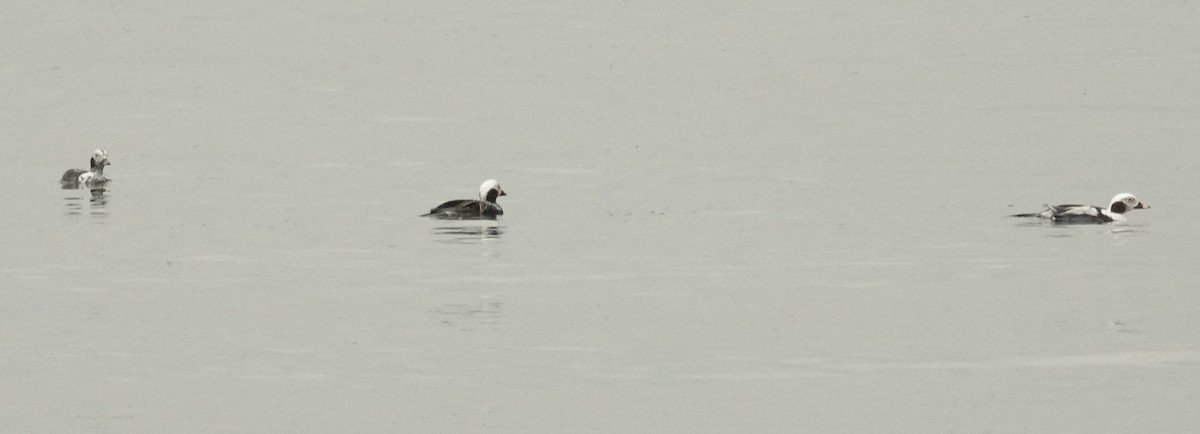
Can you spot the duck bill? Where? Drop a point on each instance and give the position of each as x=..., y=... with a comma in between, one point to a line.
x=1141, y=206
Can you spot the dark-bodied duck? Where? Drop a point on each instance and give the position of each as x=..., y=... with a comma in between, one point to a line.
x=465, y=209
x=94, y=176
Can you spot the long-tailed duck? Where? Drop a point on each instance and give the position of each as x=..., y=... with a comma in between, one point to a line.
x=1076, y=214
x=484, y=208
x=92, y=177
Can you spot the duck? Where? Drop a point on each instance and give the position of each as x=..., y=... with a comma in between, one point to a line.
x=470, y=209
x=1083, y=214
x=90, y=177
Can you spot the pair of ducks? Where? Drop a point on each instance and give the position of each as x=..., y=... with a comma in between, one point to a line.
x=486, y=207
x=483, y=208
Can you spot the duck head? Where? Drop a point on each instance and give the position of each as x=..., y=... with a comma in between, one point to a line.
x=1124, y=202
x=99, y=160
x=490, y=190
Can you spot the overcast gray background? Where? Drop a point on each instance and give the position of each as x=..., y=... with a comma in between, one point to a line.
x=722, y=217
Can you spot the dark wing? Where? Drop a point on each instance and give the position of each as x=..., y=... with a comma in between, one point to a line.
x=455, y=209
x=465, y=209
x=72, y=175
x=453, y=205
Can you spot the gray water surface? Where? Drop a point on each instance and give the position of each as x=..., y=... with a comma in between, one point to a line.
x=768, y=217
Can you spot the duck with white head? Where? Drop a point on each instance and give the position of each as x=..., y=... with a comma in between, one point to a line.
x=92, y=177
x=1083, y=214
x=470, y=209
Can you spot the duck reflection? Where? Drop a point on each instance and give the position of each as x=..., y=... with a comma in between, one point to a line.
x=468, y=234
x=94, y=203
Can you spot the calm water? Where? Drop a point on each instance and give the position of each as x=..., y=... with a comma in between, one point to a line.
x=785, y=217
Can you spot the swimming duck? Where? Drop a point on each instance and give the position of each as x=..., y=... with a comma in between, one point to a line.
x=91, y=177
x=1077, y=214
x=484, y=208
